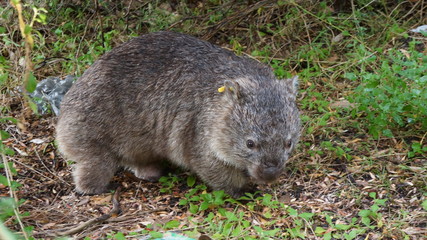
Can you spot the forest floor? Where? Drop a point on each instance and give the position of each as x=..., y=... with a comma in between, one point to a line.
x=346, y=180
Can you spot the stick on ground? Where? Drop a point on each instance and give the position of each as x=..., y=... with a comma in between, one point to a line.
x=114, y=212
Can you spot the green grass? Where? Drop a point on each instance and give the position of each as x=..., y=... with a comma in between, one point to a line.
x=365, y=159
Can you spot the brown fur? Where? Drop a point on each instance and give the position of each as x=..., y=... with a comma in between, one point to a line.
x=156, y=98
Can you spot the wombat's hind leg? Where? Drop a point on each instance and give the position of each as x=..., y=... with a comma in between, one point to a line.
x=150, y=172
x=92, y=179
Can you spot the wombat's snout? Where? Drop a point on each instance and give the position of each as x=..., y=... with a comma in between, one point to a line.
x=271, y=173
x=266, y=174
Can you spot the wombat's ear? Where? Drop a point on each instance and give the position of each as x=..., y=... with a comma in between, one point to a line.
x=292, y=85
x=232, y=88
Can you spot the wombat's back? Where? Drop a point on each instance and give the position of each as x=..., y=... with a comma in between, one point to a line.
x=157, y=65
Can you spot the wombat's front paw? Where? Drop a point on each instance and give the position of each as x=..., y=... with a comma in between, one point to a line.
x=92, y=189
x=93, y=179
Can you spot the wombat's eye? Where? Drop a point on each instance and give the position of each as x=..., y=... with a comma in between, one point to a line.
x=250, y=143
x=288, y=144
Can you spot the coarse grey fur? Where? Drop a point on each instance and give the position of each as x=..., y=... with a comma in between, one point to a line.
x=156, y=98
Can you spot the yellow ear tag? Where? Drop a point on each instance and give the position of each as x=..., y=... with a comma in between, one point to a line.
x=221, y=89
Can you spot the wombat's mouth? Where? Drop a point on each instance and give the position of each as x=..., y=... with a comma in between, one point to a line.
x=264, y=175
x=246, y=173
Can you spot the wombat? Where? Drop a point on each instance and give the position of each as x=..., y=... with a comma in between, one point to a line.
x=170, y=96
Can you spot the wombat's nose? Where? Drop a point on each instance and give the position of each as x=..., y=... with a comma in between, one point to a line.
x=270, y=173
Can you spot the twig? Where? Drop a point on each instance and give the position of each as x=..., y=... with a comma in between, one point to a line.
x=49, y=60
x=212, y=30
x=422, y=139
x=124, y=218
x=83, y=37
x=115, y=211
x=44, y=165
x=93, y=221
x=410, y=11
x=101, y=24
x=327, y=23
x=128, y=10
x=34, y=170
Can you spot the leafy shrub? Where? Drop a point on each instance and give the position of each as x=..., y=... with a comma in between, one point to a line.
x=393, y=95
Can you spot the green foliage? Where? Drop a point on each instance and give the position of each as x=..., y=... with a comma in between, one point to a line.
x=119, y=236
x=171, y=224
x=191, y=180
x=392, y=95
x=424, y=205
x=372, y=214
x=4, y=136
x=417, y=149
x=203, y=201
x=339, y=230
x=32, y=83
x=168, y=183
x=336, y=150
x=4, y=65
x=8, y=205
x=299, y=220
x=232, y=225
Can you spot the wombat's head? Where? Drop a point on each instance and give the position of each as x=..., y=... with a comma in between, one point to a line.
x=260, y=126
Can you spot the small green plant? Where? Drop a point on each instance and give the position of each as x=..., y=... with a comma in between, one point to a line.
x=203, y=201
x=7, y=166
x=9, y=205
x=117, y=236
x=393, y=95
x=372, y=215
x=230, y=224
x=171, y=224
x=168, y=183
x=299, y=221
x=417, y=149
x=424, y=205
x=339, y=229
x=336, y=149
x=148, y=230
